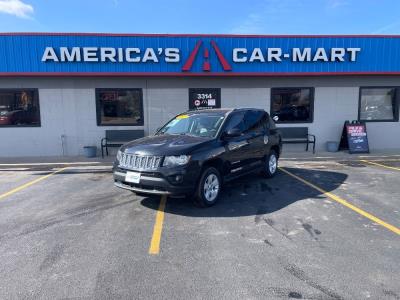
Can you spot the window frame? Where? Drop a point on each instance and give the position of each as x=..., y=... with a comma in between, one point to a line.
x=395, y=104
x=312, y=96
x=98, y=106
x=35, y=90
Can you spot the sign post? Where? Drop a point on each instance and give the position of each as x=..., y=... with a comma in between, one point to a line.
x=354, y=137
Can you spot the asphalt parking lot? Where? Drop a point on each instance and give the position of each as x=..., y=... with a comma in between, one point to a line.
x=318, y=230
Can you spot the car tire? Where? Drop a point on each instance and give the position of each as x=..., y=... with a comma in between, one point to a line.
x=270, y=164
x=209, y=188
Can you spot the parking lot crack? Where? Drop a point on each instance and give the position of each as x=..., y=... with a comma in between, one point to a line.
x=300, y=274
x=266, y=241
x=271, y=223
x=310, y=230
x=53, y=257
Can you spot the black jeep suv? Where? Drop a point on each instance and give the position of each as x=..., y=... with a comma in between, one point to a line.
x=197, y=151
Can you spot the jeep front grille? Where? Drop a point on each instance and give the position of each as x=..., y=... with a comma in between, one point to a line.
x=139, y=162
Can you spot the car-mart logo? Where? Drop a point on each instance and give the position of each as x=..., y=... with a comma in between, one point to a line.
x=206, y=63
x=201, y=51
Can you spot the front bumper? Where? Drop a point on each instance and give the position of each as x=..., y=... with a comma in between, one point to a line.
x=157, y=183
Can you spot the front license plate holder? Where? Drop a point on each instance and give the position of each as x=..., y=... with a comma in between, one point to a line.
x=132, y=177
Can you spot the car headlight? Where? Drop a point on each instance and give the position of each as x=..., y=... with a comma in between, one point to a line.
x=172, y=161
x=119, y=155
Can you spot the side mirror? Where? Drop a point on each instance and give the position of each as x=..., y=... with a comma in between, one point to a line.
x=275, y=118
x=234, y=132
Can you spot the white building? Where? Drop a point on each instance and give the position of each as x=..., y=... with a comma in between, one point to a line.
x=54, y=102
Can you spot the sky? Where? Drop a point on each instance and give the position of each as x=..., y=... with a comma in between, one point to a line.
x=204, y=16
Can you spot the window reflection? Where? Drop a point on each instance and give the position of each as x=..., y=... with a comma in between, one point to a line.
x=19, y=108
x=377, y=104
x=292, y=104
x=119, y=107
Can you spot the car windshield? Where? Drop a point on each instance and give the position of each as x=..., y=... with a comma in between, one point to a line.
x=200, y=124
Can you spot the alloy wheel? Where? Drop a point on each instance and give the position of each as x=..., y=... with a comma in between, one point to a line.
x=211, y=187
x=272, y=164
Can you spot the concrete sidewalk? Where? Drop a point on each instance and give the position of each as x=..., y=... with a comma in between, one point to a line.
x=56, y=160
x=286, y=155
x=340, y=155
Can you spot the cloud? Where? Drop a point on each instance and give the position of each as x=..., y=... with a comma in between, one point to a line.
x=252, y=24
x=16, y=8
x=267, y=12
x=389, y=28
x=332, y=4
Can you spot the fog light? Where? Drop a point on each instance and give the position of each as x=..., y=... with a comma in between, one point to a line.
x=174, y=179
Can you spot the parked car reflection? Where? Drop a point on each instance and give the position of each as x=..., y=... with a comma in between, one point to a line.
x=19, y=117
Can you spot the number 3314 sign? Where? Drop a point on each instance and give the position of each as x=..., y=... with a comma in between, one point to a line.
x=204, y=98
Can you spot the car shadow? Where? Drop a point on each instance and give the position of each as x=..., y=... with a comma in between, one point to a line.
x=254, y=195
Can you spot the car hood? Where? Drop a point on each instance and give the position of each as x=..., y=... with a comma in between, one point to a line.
x=8, y=113
x=164, y=145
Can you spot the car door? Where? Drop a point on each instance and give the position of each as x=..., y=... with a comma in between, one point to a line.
x=236, y=148
x=256, y=132
x=273, y=134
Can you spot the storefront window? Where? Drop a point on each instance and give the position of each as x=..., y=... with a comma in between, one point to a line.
x=292, y=105
x=19, y=107
x=378, y=104
x=119, y=107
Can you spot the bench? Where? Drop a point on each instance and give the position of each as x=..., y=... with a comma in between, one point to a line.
x=297, y=135
x=116, y=138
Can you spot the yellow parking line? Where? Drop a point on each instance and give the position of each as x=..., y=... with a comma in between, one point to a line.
x=158, y=225
x=386, y=159
x=380, y=165
x=17, y=189
x=345, y=203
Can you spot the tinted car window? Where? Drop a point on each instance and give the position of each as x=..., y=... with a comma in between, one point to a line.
x=255, y=121
x=236, y=120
